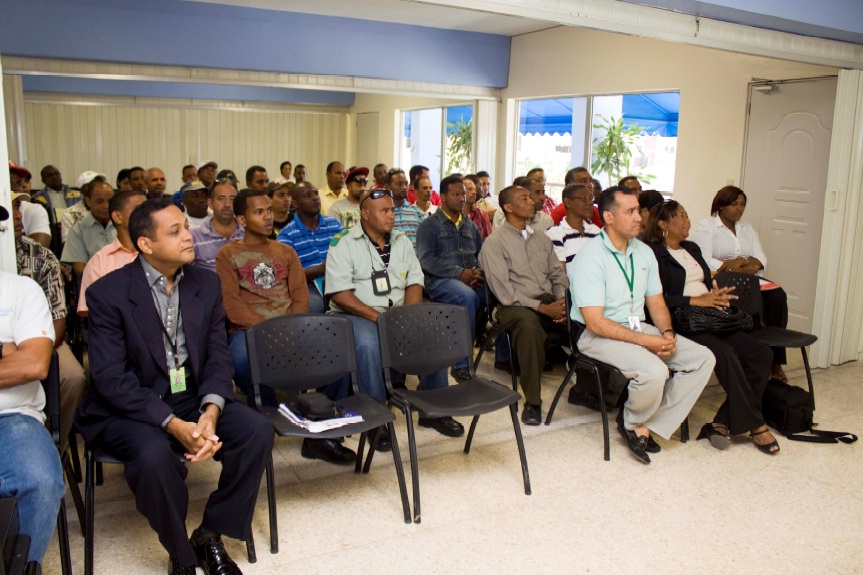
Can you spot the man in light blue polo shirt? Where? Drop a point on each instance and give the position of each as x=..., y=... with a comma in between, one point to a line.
x=612, y=279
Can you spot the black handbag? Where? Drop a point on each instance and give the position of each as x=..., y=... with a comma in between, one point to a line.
x=788, y=409
x=692, y=320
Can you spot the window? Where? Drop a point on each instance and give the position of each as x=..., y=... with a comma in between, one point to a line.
x=438, y=138
x=561, y=133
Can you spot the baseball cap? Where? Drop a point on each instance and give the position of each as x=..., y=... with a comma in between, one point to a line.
x=206, y=163
x=193, y=186
x=277, y=184
x=88, y=177
x=24, y=173
x=355, y=173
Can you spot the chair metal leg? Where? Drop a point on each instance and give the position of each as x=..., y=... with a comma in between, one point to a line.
x=488, y=335
x=560, y=389
x=520, y=441
x=89, y=501
x=76, y=458
x=74, y=489
x=250, y=549
x=400, y=473
x=470, y=433
x=415, y=477
x=373, y=444
x=63, y=538
x=358, y=466
x=808, y=376
x=271, y=506
x=684, y=431
x=99, y=478
x=601, y=395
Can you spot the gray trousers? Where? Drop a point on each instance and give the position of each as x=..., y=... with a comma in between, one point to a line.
x=655, y=400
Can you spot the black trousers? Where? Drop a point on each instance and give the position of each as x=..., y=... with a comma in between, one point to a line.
x=742, y=367
x=156, y=474
x=774, y=304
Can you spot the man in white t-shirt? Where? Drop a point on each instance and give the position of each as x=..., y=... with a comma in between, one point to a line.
x=29, y=463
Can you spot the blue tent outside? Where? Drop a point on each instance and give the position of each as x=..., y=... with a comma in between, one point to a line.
x=654, y=113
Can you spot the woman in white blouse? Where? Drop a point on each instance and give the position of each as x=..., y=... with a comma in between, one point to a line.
x=728, y=244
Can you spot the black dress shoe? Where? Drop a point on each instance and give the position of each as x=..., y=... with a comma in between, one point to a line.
x=212, y=557
x=588, y=400
x=443, y=425
x=329, y=450
x=652, y=446
x=175, y=569
x=460, y=374
x=531, y=414
x=385, y=442
x=637, y=443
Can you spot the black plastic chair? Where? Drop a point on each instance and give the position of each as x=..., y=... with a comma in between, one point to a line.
x=301, y=352
x=51, y=385
x=575, y=329
x=423, y=338
x=494, y=331
x=747, y=288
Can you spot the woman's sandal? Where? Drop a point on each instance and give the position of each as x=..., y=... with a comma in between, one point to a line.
x=767, y=447
x=717, y=439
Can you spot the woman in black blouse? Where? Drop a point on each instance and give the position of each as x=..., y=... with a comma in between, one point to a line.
x=742, y=362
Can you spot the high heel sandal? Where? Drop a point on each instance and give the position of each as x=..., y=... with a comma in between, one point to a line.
x=767, y=447
x=718, y=440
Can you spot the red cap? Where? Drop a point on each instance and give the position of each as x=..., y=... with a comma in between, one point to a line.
x=13, y=167
x=355, y=172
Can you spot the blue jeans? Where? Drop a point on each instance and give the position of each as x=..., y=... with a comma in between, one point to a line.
x=316, y=300
x=456, y=292
x=30, y=471
x=243, y=378
x=370, y=368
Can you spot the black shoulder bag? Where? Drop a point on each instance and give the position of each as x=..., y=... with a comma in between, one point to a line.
x=788, y=409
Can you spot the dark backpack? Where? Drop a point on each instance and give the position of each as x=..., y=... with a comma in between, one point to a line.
x=788, y=409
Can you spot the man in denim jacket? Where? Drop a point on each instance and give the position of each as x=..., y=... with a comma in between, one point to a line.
x=448, y=244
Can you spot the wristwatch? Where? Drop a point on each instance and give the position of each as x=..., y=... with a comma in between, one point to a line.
x=1, y=350
x=667, y=330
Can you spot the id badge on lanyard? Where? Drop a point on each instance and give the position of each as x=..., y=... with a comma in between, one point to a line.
x=634, y=321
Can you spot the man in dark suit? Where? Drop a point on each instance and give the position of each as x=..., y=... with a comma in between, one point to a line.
x=161, y=387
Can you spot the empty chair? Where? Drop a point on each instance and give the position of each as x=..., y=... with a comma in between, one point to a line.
x=301, y=352
x=423, y=338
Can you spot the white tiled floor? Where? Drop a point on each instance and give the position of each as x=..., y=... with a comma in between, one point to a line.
x=693, y=510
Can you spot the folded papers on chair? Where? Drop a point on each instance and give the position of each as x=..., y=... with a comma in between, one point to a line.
x=345, y=418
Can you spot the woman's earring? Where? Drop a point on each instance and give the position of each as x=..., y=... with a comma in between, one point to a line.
x=664, y=234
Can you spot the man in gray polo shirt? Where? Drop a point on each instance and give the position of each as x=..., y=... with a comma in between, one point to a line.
x=92, y=233
x=612, y=279
x=370, y=269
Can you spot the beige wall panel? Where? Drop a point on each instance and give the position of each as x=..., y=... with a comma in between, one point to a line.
x=107, y=138
x=712, y=83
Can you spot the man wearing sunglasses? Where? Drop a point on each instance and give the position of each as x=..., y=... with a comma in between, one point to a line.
x=370, y=269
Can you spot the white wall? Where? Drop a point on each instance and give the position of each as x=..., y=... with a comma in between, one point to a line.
x=713, y=87
x=118, y=133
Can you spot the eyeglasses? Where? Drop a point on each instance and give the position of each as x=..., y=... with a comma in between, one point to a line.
x=362, y=181
x=377, y=194
x=585, y=199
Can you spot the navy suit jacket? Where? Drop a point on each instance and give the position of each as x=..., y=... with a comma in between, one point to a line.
x=128, y=365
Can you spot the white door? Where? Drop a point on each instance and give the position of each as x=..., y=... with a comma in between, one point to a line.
x=785, y=180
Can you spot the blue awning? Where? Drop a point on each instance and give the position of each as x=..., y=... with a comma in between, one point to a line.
x=553, y=116
x=654, y=113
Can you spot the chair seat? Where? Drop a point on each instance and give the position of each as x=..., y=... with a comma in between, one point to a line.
x=779, y=337
x=374, y=415
x=473, y=397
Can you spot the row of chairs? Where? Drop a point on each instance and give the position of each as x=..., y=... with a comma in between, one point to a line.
x=298, y=353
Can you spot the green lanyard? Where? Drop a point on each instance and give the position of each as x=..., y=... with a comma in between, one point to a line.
x=630, y=282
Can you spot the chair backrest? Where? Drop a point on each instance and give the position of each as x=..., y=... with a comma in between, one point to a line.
x=297, y=352
x=574, y=328
x=491, y=300
x=51, y=385
x=423, y=338
x=747, y=288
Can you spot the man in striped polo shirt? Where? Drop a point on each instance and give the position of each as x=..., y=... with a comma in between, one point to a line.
x=310, y=234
